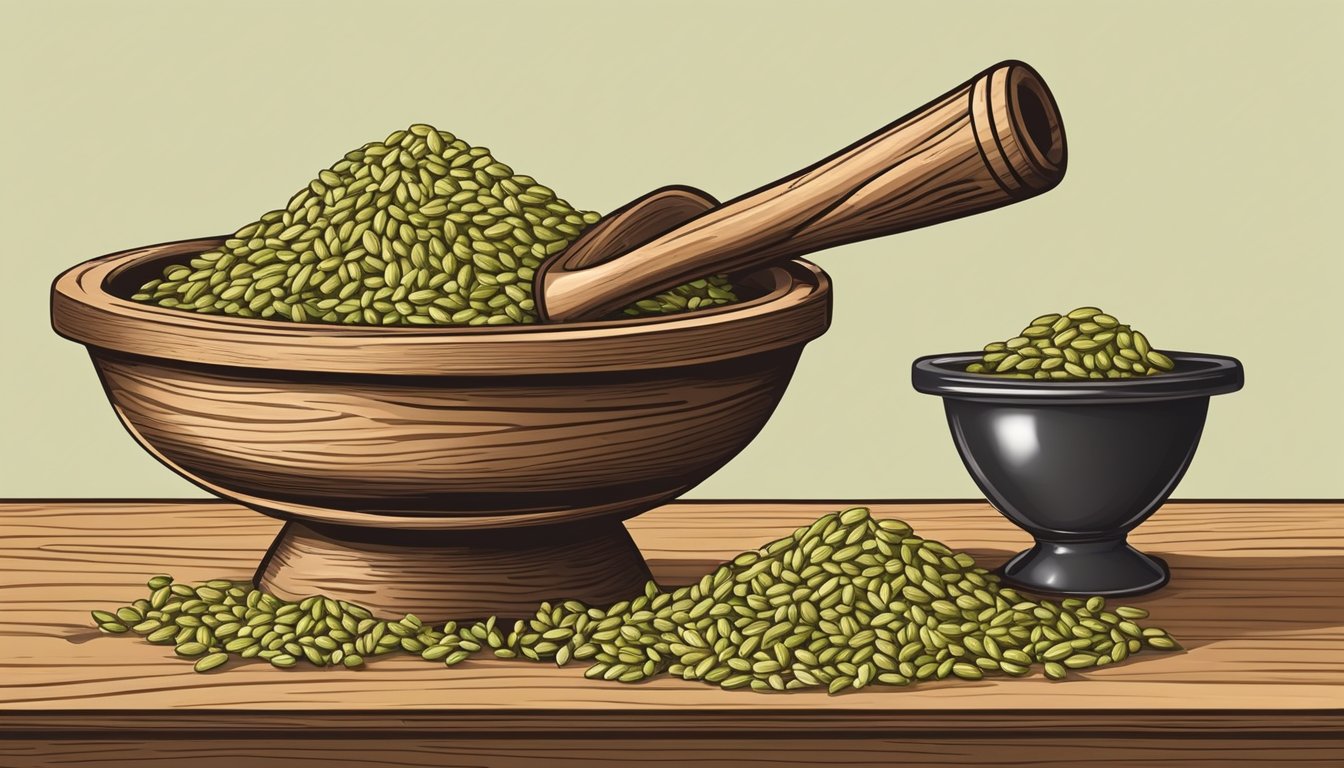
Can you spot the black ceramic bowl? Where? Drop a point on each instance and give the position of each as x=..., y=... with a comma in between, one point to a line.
x=1078, y=464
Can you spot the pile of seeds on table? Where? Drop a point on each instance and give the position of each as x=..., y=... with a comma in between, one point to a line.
x=843, y=603
x=1083, y=344
x=418, y=229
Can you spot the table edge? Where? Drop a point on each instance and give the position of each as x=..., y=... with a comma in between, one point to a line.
x=966, y=723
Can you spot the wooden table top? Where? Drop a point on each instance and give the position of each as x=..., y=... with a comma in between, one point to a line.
x=1257, y=599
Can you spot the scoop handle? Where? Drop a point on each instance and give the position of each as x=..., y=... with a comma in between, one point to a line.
x=990, y=142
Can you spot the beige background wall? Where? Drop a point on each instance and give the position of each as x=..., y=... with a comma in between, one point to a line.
x=1202, y=202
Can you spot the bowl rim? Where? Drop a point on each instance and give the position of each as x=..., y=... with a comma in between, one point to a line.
x=1205, y=375
x=795, y=309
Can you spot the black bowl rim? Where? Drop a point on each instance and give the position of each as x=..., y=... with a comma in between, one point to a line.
x=1204, y=375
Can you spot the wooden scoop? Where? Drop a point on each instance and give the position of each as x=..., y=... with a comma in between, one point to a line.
x=990, y=142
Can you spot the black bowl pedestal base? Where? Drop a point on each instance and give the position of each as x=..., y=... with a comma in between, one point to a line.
x=1108, y=568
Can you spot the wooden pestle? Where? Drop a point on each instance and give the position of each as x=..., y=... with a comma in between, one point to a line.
x=990, y=142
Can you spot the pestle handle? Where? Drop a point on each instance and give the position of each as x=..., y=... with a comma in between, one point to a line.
x=992, y=141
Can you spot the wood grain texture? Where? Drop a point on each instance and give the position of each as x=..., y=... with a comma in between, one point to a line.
x=633, y=224
x=507, y=750
x=785, y=307
x=445, y=452
x=995, y=140
x=1255, y=597
x=441, y=429
x=422, y=468
x=441, y=575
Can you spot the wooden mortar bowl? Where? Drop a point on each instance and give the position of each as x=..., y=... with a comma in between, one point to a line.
x=448, y=472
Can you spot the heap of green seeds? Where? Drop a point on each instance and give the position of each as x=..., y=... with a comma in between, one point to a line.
x=1083, y=344
x=843, y=603
x=418, y=229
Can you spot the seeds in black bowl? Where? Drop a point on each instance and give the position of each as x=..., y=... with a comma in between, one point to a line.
x=846, y=602
x=418, y=229
x=1083, y=344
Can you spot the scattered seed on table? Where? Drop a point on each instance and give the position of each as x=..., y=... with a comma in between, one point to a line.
x=844, y=603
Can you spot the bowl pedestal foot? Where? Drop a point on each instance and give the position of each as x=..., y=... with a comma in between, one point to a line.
x=1108, y=568
x=460, y=575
